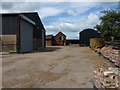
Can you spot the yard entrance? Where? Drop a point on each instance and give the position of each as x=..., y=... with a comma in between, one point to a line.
x=61, y=67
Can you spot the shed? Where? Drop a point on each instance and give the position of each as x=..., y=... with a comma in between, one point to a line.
x=49, y=40
x=86, y=35
x=39, y=30
x=60, y=39
x=72, y=41
x=25, y=31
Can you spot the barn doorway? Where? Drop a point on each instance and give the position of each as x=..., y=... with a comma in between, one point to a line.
x=26, y=36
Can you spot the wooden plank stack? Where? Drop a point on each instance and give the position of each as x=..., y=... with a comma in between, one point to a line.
x=111, y=54
x=107, y=78
x=9, y=43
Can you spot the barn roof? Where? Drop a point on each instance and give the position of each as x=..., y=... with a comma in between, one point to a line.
x=49, y=36
x=89, y=29
x=61, y=33
x=32, y=15
x=27, y=19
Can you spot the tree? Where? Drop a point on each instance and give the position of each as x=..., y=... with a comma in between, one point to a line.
x=110, y=24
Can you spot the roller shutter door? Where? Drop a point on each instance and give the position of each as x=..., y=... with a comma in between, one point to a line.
x=26, y=36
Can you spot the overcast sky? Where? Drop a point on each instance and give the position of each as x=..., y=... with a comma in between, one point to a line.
x=68, y=17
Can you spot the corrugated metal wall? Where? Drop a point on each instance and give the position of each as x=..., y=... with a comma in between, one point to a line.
x=9, y=24
x=86, y=35
x=43, y=38
x=37, y=32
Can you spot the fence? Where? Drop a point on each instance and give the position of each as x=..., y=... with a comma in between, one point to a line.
x=115, y=44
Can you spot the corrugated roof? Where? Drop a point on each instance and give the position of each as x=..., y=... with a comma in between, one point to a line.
x=27, y=19
x=49, y=36
x=61, y=33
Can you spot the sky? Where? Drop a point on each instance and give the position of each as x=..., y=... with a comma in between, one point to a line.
x=68, y=17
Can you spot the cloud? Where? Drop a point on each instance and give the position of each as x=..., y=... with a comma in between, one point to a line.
x=66, y=27
x=68, y=17
x=88, y=22
x=73, y=36
x=92, y=19
x=71, y=12
x=44, y=9
x=79, y=8
x=7, y=5
x=107, y=4
x=49, y=11
x=19, y=7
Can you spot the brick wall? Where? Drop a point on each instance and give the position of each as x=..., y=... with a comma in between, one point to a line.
x=111, y=54
x=48, y=42
x=58, y=41
x=107, y=78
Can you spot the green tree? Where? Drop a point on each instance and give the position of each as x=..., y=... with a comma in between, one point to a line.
x=110, y=24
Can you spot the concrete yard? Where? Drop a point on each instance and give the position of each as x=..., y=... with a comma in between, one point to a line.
x=53, y=67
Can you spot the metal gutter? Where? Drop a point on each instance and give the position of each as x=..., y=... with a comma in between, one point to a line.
x=26, y=19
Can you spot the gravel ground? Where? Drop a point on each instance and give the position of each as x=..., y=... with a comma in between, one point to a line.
x=53, y=67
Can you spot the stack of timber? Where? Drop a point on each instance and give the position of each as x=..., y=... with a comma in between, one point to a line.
x=96, y=43
x=107, y=78
x=111, y=54
x=8, y=43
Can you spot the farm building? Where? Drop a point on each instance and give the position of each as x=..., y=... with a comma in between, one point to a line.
x=22, y=32
x=86, y=35
x=72, y=41
x=59, y=39
x=49, y=40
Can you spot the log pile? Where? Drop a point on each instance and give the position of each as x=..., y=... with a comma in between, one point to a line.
x=107, y=78
x=111, y=54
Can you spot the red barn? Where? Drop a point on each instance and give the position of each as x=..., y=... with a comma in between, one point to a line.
x=49, y=40
x=60, y=39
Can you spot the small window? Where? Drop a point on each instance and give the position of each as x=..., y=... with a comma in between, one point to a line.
x=37, y=27
x=60, y=38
